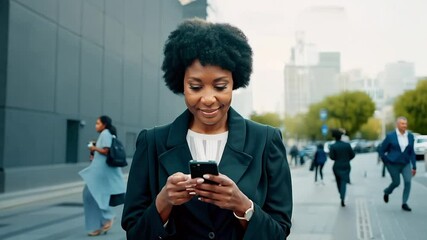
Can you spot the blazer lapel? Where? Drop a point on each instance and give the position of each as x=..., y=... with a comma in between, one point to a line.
x=176, y=157
x=235, y=161
x=173, y=161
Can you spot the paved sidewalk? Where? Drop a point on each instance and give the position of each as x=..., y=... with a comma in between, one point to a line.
x=318, y=214
x=15, y=199
x=57, y=212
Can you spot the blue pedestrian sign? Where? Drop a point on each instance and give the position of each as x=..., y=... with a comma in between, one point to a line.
x=324, y=129
x=323, y=114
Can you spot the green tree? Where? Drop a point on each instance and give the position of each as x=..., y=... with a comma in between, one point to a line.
x=371, y=130
x=272, y=119
x=413, y=105
x=312, y=122
x=348, y=110
x=294, y=126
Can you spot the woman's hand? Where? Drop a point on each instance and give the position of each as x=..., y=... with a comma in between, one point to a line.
x=103, y=151
x=225, y=195
x=92, y=148
x=177, y=190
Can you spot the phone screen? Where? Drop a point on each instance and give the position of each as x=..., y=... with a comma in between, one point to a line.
x=198, y=168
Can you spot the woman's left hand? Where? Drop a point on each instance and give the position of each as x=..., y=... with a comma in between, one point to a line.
x=226, y=194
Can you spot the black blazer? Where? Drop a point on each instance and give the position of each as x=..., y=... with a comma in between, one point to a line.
x=341, y=153
x=254, y=158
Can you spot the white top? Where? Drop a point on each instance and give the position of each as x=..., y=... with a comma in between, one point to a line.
x=206, y=147
x=403, y=139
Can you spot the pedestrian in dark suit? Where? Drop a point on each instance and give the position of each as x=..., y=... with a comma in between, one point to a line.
x=294, y=154
x=251, y=198
x=397, y=153
x=341, y=152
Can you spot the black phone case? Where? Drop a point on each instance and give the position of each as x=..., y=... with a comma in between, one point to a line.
x=198, y=168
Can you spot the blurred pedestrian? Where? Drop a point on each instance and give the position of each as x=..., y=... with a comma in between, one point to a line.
x=397, y=152
x=294, y=154
x=319, y=161
x=380, y=161
x=342, y=153
x=102, y=181
x=252, y=194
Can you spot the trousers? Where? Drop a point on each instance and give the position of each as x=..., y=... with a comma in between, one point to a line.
x=395, y=170
x=94, y=216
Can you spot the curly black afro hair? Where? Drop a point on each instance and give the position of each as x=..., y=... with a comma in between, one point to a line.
x=216, y=44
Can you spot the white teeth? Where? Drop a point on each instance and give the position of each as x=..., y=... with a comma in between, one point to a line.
x=209, y=111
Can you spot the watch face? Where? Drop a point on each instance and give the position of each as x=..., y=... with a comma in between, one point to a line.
x=248, y=214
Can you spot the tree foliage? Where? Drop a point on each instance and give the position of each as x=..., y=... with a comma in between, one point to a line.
x=294, y=126
x=371, y=130
x=413, y=105
x=272, y=119
x=348, y=110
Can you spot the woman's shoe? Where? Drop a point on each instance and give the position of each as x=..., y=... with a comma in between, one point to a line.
x=107, y=226
x=95, y=233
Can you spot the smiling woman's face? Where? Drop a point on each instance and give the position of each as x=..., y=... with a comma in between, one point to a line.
x=208, y=93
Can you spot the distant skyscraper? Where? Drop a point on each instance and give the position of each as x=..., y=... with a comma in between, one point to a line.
x=397, y=78
x=356, y=80
x=394, y=80
x=309, y=77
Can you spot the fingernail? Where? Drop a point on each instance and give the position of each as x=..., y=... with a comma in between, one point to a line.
x=200, y=180
x=192, y=193
x=206, y=176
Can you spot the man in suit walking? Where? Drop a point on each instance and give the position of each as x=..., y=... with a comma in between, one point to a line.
x=397, y=153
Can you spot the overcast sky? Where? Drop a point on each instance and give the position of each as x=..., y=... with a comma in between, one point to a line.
x=368, y=33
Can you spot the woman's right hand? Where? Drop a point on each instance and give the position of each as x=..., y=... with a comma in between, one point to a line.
x=176, y=191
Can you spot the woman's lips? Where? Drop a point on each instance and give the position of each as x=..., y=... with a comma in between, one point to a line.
x=209, y=113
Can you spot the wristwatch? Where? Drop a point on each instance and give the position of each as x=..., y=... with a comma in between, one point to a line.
x=248, y=213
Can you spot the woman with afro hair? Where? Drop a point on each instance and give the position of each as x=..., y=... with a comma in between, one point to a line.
x=251, y=197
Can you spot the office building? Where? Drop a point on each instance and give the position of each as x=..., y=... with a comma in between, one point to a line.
x=309, y=78
x=65, y=63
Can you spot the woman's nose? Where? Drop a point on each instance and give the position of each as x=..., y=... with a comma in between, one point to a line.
x=208, y=98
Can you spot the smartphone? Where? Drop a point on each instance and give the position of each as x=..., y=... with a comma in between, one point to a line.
x=198, y=168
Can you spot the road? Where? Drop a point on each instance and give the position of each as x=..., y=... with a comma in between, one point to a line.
x=317, y=211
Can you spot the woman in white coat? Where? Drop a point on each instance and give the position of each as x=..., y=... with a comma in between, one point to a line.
x=101, y=181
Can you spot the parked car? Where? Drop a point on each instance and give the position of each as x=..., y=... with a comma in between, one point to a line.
x=362, y=146
x=420, y=146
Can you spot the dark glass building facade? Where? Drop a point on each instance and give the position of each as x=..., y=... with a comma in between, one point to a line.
x=65, y=63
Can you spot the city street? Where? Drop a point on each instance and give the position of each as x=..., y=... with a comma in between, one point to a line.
x=317, y=211
x=319, y=215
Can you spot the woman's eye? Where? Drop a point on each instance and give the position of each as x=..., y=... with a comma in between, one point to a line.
x=195, y=87
x=221, y=87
